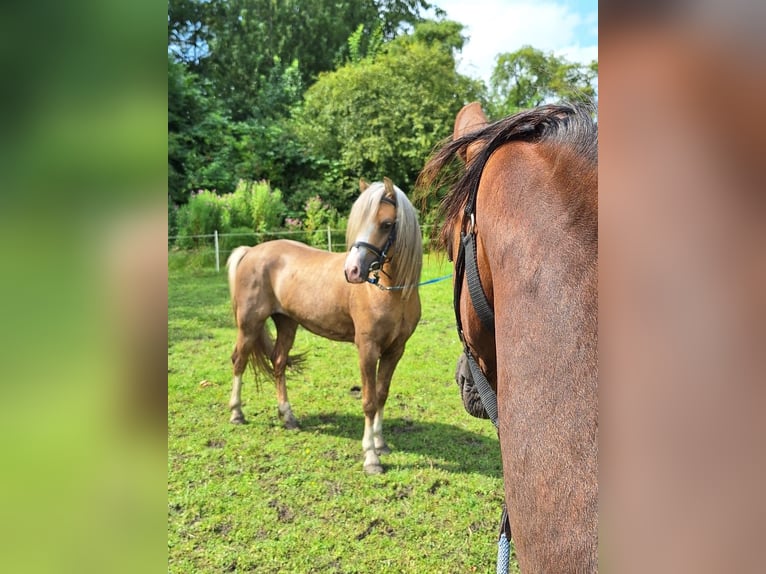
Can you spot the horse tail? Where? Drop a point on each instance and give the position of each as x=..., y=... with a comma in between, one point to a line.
x=261, y=354
x=231, y=264
x=261, y=350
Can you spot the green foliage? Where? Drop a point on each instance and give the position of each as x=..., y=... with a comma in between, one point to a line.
x=266, y=207
x=237, y=206
x=529, y=77
x=240, y=44
x=365, y=44
x=207, y=150
x=445, y=34
x=202, y=215
x=202, y=142
x=319, y=216
x=312, y=95
x=172, y=220
x=382, y=116
x=253, y=207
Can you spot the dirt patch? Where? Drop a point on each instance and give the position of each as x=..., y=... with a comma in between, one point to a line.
x=401, y=492
x=437, y=485
x=222, y=529
x=284, y=513
x=376, y=524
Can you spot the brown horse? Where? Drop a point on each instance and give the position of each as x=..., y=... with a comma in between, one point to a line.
x=526, y=205
x=295, y=284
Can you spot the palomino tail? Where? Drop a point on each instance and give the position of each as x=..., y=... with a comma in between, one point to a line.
x=260, y=351
x=231, y=263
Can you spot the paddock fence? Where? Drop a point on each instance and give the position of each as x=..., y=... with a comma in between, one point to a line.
x=216, y=247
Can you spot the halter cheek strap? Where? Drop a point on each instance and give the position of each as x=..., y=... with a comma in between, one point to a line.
x=466, y=266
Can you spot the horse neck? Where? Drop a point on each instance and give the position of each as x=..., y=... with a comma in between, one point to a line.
x=545, y=260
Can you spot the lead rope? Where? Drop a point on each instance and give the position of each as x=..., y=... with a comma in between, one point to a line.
x=399, y=287
x=504, y=544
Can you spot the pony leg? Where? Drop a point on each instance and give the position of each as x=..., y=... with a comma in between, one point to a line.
x=235, y=402
x=239, y=359
x=286, y=329
x=388, y=362
x=368, y=359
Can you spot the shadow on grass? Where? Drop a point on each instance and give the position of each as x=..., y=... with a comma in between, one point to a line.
x=445, y=446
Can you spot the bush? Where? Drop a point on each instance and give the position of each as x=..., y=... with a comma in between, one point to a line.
x=172, y=221
x=319, y=216
x=266, y=207
x=237, y=206
x=203, y=215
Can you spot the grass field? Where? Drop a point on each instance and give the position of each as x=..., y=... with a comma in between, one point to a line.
x=259, y=498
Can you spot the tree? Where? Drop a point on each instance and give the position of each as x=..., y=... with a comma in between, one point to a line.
x=198, y=136
x=207, y=150
x=244, y=46
x=529, y=77
x=382, y=116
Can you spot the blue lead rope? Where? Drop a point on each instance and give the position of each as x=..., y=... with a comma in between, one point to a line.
x=434, y=280
x=398, y=287
x=503, y=554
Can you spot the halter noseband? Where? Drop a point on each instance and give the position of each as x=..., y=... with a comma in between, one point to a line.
x=376, y=265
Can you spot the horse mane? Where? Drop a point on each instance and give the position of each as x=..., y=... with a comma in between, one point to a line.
x=569, y=126
x=407, y=258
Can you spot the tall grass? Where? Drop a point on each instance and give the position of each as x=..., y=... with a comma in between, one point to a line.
x=259, y=498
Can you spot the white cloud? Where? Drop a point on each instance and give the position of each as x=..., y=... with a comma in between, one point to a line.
x=577, y=53
x=499, y=26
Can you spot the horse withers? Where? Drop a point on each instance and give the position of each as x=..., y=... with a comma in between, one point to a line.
x=521, y=225
x=343, y=297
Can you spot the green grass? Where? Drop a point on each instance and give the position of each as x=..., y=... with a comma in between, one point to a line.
x=259, y=498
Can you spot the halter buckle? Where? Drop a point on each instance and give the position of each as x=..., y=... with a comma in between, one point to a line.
x=471, y=227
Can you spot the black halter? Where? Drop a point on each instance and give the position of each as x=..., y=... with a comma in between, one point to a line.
x=376, y=265
x=467, y=266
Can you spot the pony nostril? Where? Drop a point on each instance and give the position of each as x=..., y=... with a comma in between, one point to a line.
x=351, y=273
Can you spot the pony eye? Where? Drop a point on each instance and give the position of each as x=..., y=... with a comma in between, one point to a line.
x=387, y=225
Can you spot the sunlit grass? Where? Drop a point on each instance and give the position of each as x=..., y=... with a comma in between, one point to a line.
x=259, y=498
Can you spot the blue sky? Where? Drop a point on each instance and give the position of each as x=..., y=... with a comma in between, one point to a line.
x=568, y=28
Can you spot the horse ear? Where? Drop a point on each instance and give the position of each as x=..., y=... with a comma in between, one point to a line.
x=389, y=187
x=470, y=118
x=363, y=184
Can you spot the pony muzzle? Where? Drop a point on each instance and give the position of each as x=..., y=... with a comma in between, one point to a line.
x=363, y=259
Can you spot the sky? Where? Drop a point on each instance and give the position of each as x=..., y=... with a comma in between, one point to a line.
x=568, y=28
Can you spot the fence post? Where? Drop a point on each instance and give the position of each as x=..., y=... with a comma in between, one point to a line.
x=217, y=255
x=329, y=238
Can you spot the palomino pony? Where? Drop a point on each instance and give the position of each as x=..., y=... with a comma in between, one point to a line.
x=521, y=225
x=295, y=284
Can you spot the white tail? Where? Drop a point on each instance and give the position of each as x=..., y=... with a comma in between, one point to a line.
x=231, y=264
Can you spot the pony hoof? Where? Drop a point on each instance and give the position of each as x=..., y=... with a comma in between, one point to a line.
x=383, y=450
x=373, y=469
x=291, y=424
x=237, y=419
